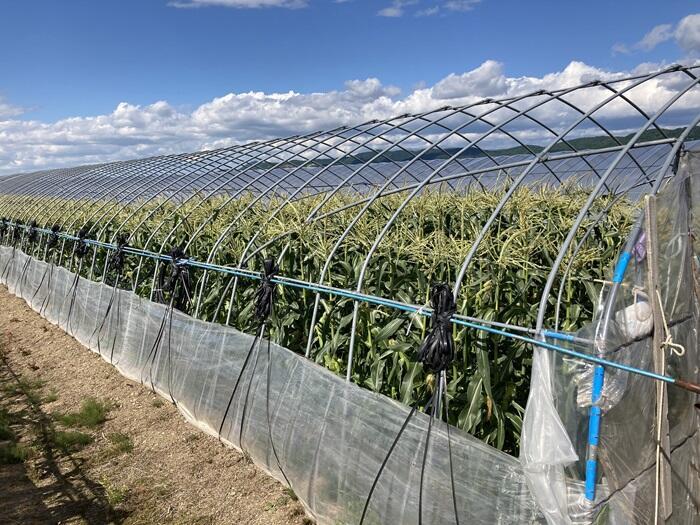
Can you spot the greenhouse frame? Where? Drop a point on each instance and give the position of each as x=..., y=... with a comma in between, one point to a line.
x=476, y=314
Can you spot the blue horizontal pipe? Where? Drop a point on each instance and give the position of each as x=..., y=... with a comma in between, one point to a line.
x=389, y=303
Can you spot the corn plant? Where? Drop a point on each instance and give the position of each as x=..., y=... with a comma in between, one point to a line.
x=489, y=378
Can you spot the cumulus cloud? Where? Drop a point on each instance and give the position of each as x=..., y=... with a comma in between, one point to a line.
x=686, y=34
x=487, y=80
x=132, y=131
x=239, y=4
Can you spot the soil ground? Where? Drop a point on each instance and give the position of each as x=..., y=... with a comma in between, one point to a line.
x=143, y=464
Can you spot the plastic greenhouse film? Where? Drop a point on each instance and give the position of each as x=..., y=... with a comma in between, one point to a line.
x=555, y=433
x=320, y=424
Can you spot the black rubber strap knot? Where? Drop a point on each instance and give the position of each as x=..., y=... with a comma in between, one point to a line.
x=265, y=294
x=174, y=280
x=53, y=237
x=82, y=248
x=31, y=233
x=437, y=350
x=116, y=261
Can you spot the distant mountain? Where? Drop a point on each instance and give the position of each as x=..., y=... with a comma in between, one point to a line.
x=580, y=144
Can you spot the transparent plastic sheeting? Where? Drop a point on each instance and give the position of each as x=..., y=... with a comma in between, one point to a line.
x=331, y=436
x=555, y=430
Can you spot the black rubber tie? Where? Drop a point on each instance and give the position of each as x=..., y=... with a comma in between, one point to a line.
x=436, y=353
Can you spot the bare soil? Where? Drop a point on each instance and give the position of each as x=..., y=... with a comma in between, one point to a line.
x=173, y=474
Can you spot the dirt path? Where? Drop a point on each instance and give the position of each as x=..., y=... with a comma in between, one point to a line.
x=101, y=449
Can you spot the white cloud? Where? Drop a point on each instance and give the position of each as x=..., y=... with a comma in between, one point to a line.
x=686, y=35
x=430, y=11
x=239, y=4
x=132, y=131
x=396, y=9
x=7, y=110
x=656, y=36
x=461, y=5
x=487, y=80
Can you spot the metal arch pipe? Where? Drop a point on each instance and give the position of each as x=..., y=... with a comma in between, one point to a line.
x=567, y=156
x=49, y=180
x=141, y=187
x=56, y=199
x=36, y=186
x=203, y=168
x=199, y=172
x=222, y=236
x=403, y=122
x=329, y=136
x=133, y=187
x=511, y=165
x=398, y=211
x=245, y=257
x=25, y=185
x=77, y=188
x=594, y=193
x=216, y=159
x=540, y=157
x=595, y=415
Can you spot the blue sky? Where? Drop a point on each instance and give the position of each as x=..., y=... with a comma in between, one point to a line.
x=73, y=58
x=130, y=75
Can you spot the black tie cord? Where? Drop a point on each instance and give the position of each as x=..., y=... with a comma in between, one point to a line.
x=31, y=237
x=82, y=246
x=116, y=260
x=53, y=237
x=31, y=233
x=13, y=233
x=174, y=280
x=79, y=252
x=264, y=302
x=437, y=350
x=265, y=294
x=436, y=353
x=51, y=243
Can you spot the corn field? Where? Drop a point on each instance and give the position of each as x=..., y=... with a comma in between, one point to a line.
x=489, y=379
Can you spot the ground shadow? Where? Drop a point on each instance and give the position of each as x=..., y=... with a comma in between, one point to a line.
x=63, y=491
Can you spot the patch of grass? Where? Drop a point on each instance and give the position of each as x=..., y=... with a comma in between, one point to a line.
x=116, y=495
x=92, y=414
x=157, y=402
x=279, y=502
x=290, y=493
x=26, y=387
x=6, y=432
x=71, y=441
x=6, y=420
x=13, y=453
x=51, y=397
x=121, y=443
